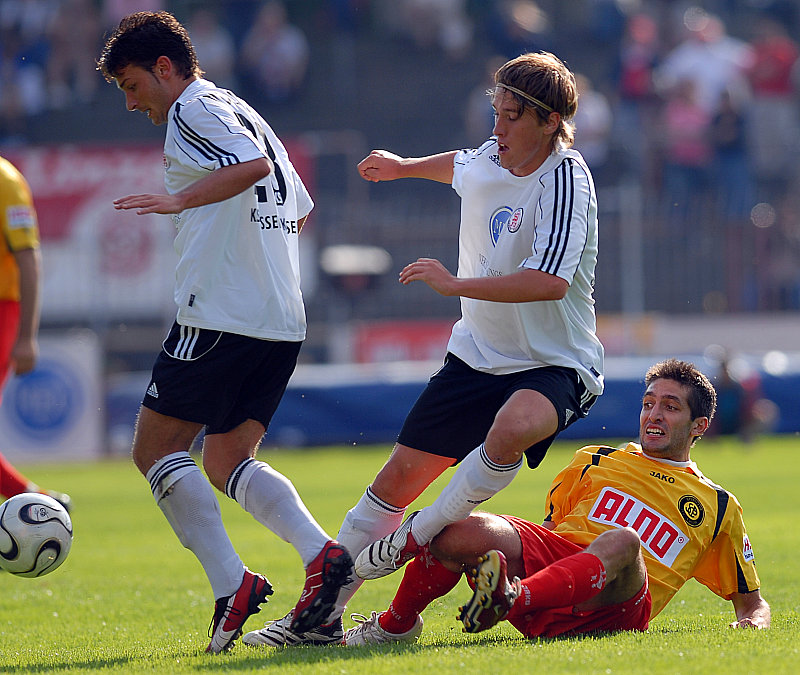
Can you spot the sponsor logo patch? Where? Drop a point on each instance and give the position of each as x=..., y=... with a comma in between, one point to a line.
x=747, y=549
x=497, y=222
x=20, y=217
x=660, y=536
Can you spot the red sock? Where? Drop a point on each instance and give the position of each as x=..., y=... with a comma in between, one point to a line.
x=424, y=580
x=564, y=583
x=12, y=482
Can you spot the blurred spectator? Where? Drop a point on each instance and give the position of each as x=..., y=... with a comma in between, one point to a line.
x=741, y=408
x=214, y=46
x=735, y=197
x=685, y=132
x=709, y=57
x=773, y=127
x=593, y=127
x=114, y=10
x=441, y=24
x=517, y=26
x=72, y=78
x=275, y=54
x=636, y=105
x=24, y=52
x=478, y=112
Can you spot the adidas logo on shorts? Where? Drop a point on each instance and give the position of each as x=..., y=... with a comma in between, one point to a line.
x=152, y=390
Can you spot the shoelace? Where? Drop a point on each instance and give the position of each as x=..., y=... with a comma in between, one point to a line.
x=220, y=615
x=363, y=622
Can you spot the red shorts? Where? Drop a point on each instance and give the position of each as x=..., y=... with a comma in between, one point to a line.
x=9, y=327
x=540, y=548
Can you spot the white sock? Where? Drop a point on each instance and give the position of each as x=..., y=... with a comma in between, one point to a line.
x=190, y=505
x=272, y=500
x=369, y=520
x=476, y=479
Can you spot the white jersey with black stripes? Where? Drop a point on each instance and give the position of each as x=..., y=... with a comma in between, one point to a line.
x=545, y=221
x=238, y=268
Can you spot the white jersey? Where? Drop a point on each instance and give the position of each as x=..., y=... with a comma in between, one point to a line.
x=545, y=221
x=239, y=266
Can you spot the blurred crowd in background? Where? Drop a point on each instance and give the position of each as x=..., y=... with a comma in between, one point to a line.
x=689, y=117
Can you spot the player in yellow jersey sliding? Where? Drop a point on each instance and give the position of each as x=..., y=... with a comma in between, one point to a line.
x=625, y=528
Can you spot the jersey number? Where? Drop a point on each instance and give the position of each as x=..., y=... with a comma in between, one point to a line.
x=278, y=178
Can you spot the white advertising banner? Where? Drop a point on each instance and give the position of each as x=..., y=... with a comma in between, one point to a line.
x=100, y=263
x=55, y=411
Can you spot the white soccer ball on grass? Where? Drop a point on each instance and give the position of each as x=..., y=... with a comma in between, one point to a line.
x=35, y=534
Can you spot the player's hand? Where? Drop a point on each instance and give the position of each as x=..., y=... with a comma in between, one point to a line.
x=747, y=622
x=24, y=355
x=150, y=204
x=380, y=165
x=432, y=272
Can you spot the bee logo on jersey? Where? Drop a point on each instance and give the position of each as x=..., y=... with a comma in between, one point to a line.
x=692, y=510
x=500, y=218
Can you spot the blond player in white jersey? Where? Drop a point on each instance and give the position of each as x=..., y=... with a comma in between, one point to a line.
x=624, y=529
x=238, y=206
x=523, y=362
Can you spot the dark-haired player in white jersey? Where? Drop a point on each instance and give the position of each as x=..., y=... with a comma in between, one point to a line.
x=238, y=206
x=625, y=529
x=524, y=361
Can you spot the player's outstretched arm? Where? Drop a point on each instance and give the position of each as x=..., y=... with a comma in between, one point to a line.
x=522, y=286
x=752, y=611
x=382, y=165
x=217, y=186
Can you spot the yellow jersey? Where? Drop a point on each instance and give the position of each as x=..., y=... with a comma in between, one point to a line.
x=689, y=527
x=18, y=226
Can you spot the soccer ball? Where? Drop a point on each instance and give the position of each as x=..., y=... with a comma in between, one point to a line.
x=35, y=534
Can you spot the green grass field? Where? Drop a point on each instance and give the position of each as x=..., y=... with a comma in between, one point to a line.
x=130, y=599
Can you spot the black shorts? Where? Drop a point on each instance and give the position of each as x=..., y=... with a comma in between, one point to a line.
x=219, y=379
x=457, y=408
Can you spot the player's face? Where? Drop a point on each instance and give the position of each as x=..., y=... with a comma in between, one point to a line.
x=666, y=426
x=145, y=92
x=523, y=140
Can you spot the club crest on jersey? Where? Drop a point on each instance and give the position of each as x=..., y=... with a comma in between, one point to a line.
x=692, y=510
x=515, y=221
x=500, y=218
x=659, y=535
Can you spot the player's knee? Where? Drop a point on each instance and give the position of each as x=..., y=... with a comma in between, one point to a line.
x=505, y=443
x=618, y=548
x=452, y=543
x=465, y=540
x=629, y=542
x=216, y=470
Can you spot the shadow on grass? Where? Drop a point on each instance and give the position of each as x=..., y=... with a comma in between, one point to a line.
x=308, y=655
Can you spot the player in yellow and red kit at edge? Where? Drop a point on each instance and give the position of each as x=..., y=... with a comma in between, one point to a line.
x=20, y=280
x=625, y=529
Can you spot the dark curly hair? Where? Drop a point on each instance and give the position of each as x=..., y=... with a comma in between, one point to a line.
x=141, y=38
x=702, y=395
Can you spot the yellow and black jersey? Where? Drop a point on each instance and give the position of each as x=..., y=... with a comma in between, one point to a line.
x=18, y=226
x=689, y=527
